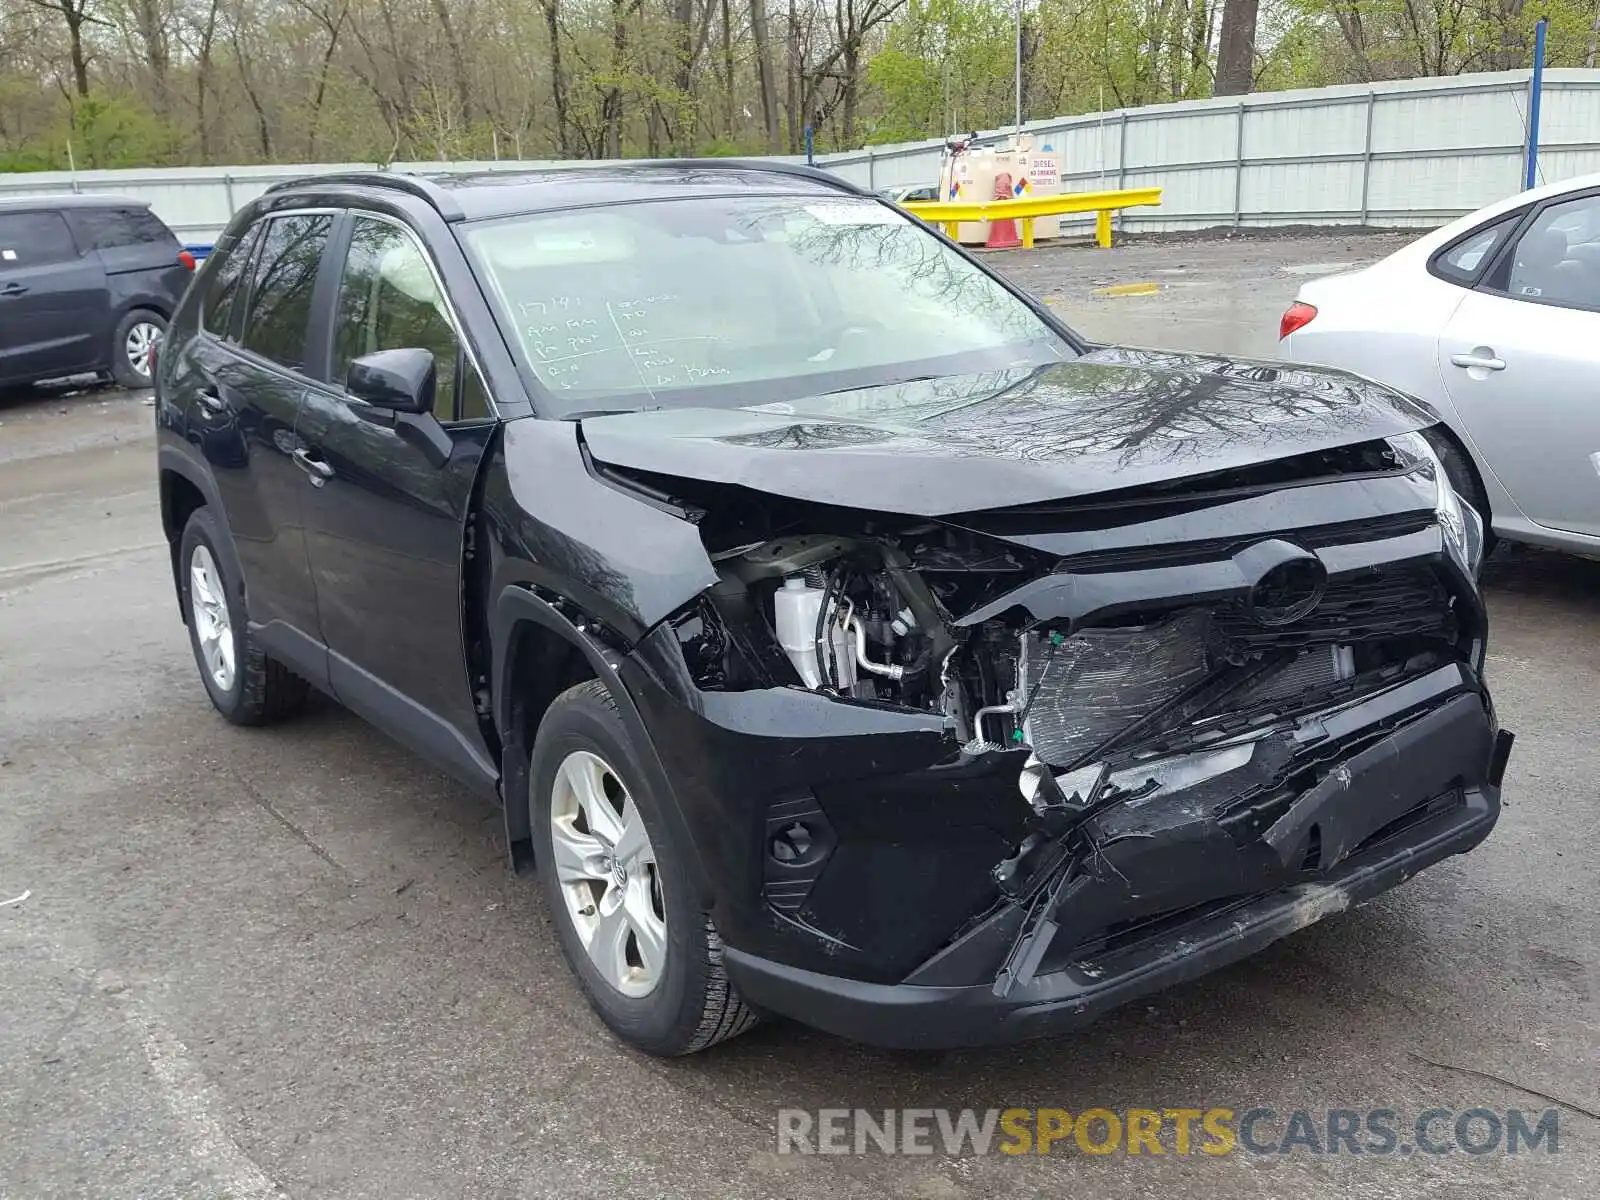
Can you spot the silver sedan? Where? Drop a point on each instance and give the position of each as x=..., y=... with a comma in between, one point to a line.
x=1494, y=321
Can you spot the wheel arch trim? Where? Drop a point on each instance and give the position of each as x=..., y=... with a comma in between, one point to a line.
x=171, y=459
x=515, y=607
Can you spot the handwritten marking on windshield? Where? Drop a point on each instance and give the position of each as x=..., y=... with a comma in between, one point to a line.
x=634, y=350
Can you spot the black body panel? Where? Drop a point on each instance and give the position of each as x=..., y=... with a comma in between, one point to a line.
x=384, y=522
x=247, y=434
x=1112, y=420
x=560, y=527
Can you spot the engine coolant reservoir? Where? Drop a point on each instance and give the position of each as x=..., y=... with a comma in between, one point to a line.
x=795, y=606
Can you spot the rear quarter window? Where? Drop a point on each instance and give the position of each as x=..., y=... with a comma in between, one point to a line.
x=113, y=228
x=224, y=273
x=1464, y=259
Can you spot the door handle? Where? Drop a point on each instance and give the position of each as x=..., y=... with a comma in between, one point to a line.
x=212, y=399
x=314, y=467
x=1487, y=362
x=12, y=289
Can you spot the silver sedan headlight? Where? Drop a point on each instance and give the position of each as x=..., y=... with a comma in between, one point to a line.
x=1462, y=528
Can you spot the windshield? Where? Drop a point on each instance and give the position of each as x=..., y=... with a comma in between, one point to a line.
x=743, y=300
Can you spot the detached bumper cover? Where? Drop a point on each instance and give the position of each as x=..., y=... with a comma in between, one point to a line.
x=1406, y=799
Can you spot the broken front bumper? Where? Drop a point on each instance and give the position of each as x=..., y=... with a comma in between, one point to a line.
x=1422, y=793
x=920, y=1015
x=886, y=923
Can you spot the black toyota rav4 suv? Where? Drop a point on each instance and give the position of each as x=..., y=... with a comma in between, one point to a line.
x=841, y=635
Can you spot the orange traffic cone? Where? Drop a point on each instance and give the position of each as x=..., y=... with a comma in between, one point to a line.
x=1002, y=232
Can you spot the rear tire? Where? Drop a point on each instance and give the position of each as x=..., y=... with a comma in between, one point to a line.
x=131, y=342
x=245, y=685
x=663, y=988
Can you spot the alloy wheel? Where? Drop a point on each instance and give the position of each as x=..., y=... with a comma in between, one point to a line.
x=208, y=609
x=142, y=338
x=606, y=869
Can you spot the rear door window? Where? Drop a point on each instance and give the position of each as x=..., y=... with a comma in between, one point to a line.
x=285, y=280
x=34, y=239
x=1557, y=258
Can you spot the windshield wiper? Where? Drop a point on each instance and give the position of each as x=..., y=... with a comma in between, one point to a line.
x=584, y=413
x=861, y=387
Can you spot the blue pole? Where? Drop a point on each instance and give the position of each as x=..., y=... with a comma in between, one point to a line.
x=810, y=162
x=1535, y=94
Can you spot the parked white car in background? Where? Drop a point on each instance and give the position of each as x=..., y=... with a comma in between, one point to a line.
x=1494, y=321
x=909, y=193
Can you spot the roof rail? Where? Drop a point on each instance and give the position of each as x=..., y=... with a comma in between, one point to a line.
x=800, y=170
x=445, y=203
x=419, y=186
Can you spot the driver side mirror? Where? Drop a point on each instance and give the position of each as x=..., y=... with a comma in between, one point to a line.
x=396, y=380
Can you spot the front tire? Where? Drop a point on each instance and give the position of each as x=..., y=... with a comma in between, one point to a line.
x=649, y=961
x=136, y=335
x=245, y=686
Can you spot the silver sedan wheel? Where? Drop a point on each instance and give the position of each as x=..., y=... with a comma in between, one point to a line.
x=208, y=609
x=606, y=869
x=142, y=338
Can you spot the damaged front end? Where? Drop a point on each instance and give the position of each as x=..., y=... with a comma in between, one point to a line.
x=979, y=776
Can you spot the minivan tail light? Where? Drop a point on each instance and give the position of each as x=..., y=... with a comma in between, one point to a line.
x=1298, y=316
x=186, y=259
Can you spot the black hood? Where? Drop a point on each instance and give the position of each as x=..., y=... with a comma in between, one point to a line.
x=1113, y=419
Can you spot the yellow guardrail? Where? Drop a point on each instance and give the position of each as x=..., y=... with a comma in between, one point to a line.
x=950, y=213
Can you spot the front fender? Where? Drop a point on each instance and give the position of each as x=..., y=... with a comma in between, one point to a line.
x=618, y=559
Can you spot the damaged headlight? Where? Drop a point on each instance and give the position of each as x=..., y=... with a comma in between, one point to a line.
x=849, y=614
x=864, y=615
x=1462, y=528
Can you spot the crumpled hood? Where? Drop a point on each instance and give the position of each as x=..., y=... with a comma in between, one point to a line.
x=1113, y=419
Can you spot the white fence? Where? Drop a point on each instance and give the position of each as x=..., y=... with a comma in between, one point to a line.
x=1411, y=154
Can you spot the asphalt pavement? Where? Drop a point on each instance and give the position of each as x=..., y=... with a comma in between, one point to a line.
x=291, y=962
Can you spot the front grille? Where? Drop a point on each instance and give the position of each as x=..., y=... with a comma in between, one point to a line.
x=1398, y=602
x=1316, y=537
x=1121, y=685
x=1415, y=815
